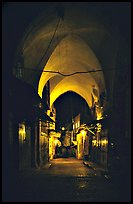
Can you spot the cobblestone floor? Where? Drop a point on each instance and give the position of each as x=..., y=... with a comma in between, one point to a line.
x=66, y=180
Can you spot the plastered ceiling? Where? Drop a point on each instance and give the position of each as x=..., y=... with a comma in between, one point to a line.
x=78, y=40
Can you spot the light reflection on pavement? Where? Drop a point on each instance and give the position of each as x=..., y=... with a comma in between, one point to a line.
x=66, y=179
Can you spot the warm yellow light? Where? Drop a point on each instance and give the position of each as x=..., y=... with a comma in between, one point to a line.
x=94, y=142
x=51, y=147
x=99, y=127
x=83, y=132
x=71, y=84
x=74, y=142
x=67, y=65
x=99, y=112
x=63, y=128
x=55, y=134
x=104, y=142
x=22, y=132
x=57, y=142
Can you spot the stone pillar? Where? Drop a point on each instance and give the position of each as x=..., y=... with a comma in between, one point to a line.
x=79, y=146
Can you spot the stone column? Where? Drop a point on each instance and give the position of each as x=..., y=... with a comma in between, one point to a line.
x=79, y=146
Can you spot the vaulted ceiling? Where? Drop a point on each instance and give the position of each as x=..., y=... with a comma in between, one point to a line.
x=68, y=38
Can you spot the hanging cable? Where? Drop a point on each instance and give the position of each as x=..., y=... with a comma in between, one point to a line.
x=50, y=41
x=81, y=72
x=60, y=12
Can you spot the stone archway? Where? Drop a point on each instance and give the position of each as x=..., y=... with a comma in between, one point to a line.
x=84, y=40
x=75, y=56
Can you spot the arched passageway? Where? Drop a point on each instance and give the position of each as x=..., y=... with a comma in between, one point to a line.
x=65, y=47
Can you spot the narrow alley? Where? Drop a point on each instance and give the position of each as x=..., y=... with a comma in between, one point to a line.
x=66, y=180
x=66, y=109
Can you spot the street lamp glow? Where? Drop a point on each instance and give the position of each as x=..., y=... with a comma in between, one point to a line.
x=83, y=132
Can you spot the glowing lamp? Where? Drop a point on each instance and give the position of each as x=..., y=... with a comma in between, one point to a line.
x=83, y=132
